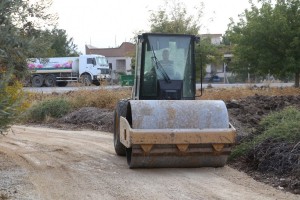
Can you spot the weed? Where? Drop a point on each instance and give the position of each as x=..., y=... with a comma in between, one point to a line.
x=50, y=108
x=239, y=93
x=283, y=125
x=11, y=102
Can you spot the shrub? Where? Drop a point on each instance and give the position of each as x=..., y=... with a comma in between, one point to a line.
x=11, y=101
x=54, y=108
x=283, y=126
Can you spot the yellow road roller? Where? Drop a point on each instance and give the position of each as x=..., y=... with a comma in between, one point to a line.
x=163, y=125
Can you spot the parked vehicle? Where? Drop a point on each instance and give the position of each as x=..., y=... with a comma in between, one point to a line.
x=87, y=69
x=216, y=79
x=212, y=79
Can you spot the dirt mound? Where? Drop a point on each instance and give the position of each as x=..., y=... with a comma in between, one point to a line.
x=88, y=118
x=246, y=113
x=274, y=162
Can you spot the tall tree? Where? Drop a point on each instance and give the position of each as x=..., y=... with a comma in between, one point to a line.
x=267, y=39
x=173, y=17
x=20, y=22
x=62, y=45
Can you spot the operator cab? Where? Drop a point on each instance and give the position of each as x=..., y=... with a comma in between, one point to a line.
x=165, y=67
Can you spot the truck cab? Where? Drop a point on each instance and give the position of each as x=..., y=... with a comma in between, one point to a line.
x=93, y=67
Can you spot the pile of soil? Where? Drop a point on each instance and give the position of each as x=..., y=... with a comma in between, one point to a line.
x=245, y=115
x=274, y=161
x=89, y=118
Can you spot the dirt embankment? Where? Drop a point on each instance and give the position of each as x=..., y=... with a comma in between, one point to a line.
x=274, y=162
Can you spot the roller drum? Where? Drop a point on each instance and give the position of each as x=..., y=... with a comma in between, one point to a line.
x=186, y=114
x=183, y=114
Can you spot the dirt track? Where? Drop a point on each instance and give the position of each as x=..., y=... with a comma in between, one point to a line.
x=41, y=163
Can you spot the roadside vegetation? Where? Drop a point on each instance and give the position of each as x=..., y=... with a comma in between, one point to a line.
x=47, y=106
x=278, y=126
x=11, y=104
x=272, y=153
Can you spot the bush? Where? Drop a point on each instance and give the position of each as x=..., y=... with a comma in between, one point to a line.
x=11, y=102
x=283, y=126
x=54, y=108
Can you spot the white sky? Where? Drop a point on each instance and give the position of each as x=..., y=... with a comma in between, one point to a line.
x=108, y=23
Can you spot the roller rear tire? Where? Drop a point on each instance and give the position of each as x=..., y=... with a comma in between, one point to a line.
x=121, y=110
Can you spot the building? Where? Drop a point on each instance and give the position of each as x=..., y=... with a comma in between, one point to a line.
x=214, y=38
x=119, y=58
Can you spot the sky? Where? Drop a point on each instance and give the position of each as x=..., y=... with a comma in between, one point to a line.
x=108, y=23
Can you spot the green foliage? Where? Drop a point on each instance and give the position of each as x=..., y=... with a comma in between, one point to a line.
x=283, y=125
x=267, y=39
x=173, y=18
x=54, y=108
x=206, y=53
x=10, y=102
x=20, y=22
x=61, y=45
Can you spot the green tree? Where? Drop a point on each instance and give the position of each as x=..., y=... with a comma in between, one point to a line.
x=62, y=46
x=267, y=39
x=20, y=22
x=173, y=17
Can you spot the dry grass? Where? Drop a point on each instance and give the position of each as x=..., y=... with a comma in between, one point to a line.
x=102, y=98
x=239, y=93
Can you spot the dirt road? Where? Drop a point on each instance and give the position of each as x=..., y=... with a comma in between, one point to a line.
x=41, y=163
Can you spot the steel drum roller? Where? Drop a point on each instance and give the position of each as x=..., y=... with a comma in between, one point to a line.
x=164, y=118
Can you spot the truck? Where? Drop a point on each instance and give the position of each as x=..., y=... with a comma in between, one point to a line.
x=58, y=71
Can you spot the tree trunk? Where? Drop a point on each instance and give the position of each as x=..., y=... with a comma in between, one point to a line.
x=297, y=78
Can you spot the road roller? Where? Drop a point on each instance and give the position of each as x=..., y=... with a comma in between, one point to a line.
x=162, y=124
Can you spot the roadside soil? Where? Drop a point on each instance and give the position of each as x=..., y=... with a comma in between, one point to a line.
x=73, y=158
x=44, y=163
x=245, y=116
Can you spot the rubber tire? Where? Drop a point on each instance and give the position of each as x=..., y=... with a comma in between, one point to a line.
x=62, y=83
x=97, y=83
x=50, y=81
x=120, y=110
x=37, y=81
x=86, y=80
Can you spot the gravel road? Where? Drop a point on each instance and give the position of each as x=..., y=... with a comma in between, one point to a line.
x=43, y=163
